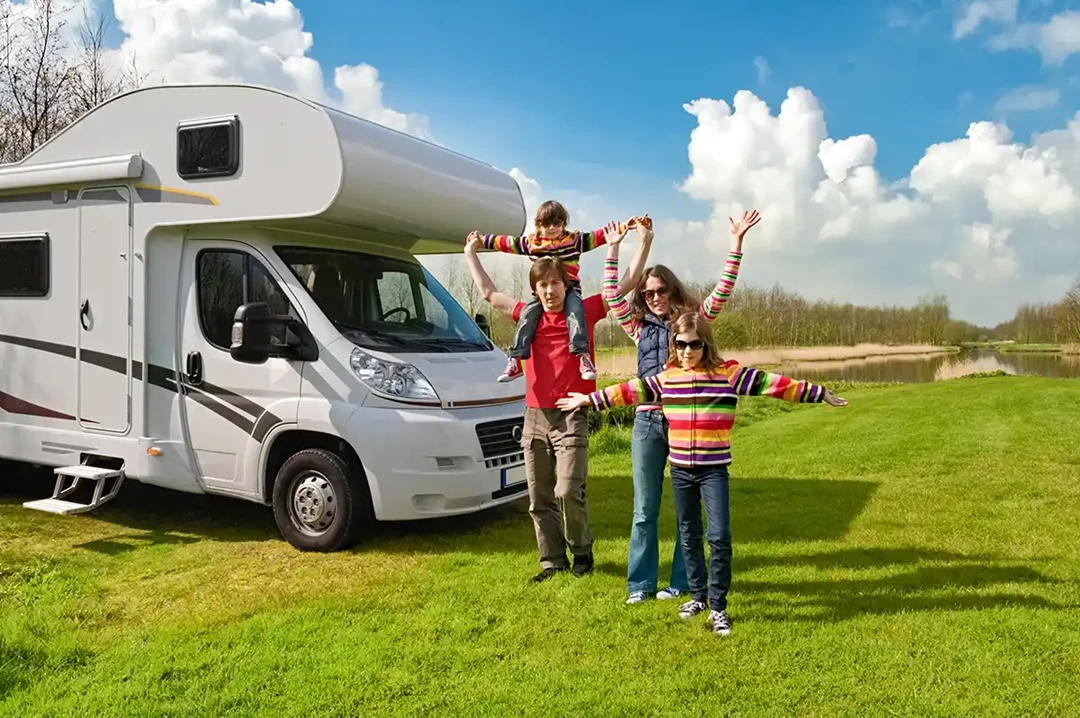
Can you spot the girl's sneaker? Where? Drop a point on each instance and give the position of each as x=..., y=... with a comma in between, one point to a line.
x=691, y=608
x=669, y=593
x=720, y=623
x=636, y=597
x=513, y=370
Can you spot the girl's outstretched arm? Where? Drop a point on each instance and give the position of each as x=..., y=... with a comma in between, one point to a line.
x=507, y=243
x=750, y=381
x=635, y=391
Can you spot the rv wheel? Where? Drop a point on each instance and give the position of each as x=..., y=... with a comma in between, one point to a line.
x=321, y=502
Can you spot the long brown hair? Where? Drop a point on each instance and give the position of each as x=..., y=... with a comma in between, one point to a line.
x=711, y=360
x=680, y=300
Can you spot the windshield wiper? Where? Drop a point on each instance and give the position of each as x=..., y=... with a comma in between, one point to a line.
x=374, y=333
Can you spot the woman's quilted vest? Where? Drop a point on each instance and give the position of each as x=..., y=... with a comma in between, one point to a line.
x=652, y=346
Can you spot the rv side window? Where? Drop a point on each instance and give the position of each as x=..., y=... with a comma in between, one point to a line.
x=208, y=149
x=228, y=278
x=24, y=266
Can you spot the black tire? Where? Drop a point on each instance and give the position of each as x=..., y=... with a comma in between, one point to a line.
x=336, y=501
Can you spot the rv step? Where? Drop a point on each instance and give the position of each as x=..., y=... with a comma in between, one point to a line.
x=58, y=503
x=57, y=506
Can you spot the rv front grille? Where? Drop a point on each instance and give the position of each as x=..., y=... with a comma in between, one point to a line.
x=499, y=438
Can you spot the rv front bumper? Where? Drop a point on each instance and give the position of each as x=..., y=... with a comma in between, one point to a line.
x=430, y=463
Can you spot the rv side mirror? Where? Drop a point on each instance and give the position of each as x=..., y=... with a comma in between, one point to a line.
x=251, y=333
x=485, y=326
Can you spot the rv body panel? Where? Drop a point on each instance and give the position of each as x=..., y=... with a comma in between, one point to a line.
x=125, y=354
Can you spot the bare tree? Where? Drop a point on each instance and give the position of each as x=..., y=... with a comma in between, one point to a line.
x=94, y=80
x=36, y=75
x=46, y=81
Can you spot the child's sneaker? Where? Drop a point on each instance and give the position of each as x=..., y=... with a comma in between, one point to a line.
x=691, y=608
x=669, y=593
x=588, y=370
x=513, y=370
x=636, y=597
x=720, y=623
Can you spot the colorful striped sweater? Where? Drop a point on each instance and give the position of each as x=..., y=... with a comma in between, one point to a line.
x=700, y=407
x=568, y=247
x=710, y=308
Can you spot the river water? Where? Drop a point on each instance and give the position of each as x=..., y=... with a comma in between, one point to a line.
x=934, y=367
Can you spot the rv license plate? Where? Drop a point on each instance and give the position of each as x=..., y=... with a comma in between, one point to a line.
x=513, y=476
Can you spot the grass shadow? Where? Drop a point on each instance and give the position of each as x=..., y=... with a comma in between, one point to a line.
x=917, y=580
x=763, y=510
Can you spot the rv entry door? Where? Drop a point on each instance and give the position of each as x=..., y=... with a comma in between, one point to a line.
x=103, y=286
x=230, y=406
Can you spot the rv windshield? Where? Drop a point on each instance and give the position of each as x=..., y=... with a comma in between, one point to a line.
x=383, y=303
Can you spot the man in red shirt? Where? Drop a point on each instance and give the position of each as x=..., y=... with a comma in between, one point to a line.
x=555, y=443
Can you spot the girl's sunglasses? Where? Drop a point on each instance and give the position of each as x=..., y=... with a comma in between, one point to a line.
x=651, y=294
x=681, y=346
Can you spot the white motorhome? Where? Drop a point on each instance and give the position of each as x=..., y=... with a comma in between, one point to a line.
x=215, y=289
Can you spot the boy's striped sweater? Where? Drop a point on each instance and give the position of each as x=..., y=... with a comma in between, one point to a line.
x=568, y=247
x=700, y=407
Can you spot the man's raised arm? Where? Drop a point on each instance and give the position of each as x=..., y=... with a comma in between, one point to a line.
x=482, y=279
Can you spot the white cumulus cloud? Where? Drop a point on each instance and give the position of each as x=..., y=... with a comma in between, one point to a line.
x=179, y=41
x=1024, y=99
x=973, y=215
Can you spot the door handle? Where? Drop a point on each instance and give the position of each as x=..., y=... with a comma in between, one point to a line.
x=194, y=368
x=84, y=312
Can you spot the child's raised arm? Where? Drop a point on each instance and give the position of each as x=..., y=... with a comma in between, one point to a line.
x=507, y=243
x=587, y=241
x=750, y=381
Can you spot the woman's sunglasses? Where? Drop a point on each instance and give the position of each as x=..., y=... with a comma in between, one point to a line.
x=681, y=346
x=651, y=294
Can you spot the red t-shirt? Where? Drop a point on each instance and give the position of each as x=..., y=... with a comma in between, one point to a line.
x=551, y=371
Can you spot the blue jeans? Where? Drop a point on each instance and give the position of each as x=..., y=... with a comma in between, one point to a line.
x=649, y=451
x=690, y=487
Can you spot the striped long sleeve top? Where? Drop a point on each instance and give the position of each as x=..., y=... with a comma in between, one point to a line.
x=568, y=247
x=710, y=308
x=700, y=407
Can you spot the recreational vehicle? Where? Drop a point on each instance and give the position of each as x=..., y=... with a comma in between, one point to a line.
x=215, y=289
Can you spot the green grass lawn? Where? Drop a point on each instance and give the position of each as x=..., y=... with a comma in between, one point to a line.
x=915, y=553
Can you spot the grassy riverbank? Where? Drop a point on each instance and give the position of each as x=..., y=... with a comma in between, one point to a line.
x=912, y=554
x=1008, y=348
x=622, y=361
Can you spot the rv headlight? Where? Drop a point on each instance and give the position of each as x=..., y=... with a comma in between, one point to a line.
x=397, y=380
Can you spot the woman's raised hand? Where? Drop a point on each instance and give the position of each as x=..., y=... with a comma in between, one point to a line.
x=748, y=220
x=573, y=401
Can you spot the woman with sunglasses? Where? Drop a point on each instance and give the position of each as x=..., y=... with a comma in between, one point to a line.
x=658, y=298
x=699, y=392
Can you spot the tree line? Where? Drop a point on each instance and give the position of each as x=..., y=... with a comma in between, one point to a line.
x=777, y=317
x=1047, y=323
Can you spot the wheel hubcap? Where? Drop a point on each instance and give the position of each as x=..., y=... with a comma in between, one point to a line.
x=314, y=504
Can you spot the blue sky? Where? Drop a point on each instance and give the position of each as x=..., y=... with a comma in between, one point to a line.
x=587, y=99
x=595, y=90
